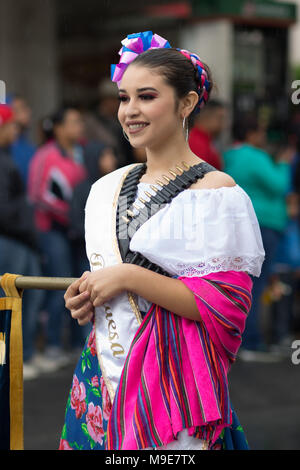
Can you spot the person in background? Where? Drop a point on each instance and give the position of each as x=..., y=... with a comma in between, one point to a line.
x=18, y=239
x=22, y=148
x=99, y=160
x=207, y=127
x=56, y=168
x=103, y=125
x=283, y=290
x=267, y=183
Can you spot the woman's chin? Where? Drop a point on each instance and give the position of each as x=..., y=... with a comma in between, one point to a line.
x=138, y=143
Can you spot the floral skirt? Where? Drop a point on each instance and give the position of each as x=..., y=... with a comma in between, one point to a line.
x=88, y=409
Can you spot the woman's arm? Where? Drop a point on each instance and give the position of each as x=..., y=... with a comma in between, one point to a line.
x=167, y=292
x=103, y=284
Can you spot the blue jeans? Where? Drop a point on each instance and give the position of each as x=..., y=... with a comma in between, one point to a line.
x=60, y=260
x=57, y=262
x=252, y=337
x=17, y=258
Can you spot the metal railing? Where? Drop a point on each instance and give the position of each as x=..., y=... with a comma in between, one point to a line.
x=39, y=282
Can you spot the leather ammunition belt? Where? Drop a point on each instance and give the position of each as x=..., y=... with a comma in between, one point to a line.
x=127, y=222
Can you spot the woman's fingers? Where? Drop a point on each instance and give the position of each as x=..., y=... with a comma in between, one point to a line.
x=83, y=311
x=75, y=302
x=78, y=302
x=72, y=290
x=86, y=319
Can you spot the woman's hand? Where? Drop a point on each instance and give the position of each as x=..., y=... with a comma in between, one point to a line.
x=105, y=283
x=78, y=302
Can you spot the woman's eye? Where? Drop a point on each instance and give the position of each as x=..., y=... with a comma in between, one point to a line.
x=147, y=97
x=123, y=98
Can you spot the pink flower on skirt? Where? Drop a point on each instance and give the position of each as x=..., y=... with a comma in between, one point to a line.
x=64, y=445
x=94, y=423
x=92, y=342
x=78, y=395
x=106, y=403
x=95, y=381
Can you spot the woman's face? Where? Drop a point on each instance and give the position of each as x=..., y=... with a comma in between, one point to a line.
x=147, y=110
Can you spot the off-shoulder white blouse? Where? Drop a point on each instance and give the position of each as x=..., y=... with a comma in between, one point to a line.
x=202, y=231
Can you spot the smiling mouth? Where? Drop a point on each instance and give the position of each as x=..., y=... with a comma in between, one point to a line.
x=135, y=128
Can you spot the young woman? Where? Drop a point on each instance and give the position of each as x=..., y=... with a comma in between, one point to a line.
x=153, y=373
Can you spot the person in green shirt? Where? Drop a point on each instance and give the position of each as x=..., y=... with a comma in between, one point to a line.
x=267, y=183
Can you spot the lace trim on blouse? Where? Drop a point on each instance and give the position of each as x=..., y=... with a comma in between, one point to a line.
x=238, y=263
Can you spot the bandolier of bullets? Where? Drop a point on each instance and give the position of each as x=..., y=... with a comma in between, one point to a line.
x=128, y=224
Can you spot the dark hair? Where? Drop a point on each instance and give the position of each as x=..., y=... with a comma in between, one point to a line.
x=244, y=124
x=214, y=104
x=58, y=117
x=178, y=71
x=48, y=123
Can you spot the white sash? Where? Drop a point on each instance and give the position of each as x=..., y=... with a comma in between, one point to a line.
x=118, y=319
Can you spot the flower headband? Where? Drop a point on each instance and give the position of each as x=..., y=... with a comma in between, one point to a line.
x=137, y=43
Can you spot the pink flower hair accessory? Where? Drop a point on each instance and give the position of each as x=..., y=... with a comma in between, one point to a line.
x=133, y=45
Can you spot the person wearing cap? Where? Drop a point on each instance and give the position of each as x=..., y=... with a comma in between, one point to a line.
x=18, y=242
x=103, y=125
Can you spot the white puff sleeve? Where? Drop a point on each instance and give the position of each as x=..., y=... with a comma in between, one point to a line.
x=203, y=231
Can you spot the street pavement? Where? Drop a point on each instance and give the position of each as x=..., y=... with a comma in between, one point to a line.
x=264, y=396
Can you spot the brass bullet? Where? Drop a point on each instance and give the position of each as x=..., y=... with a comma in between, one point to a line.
x=125, y=219
x=186, y=165
x=180, y=169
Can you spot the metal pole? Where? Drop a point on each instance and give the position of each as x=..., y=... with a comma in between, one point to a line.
x=38, y=282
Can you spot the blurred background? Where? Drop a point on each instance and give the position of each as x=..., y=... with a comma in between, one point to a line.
x=59, y=133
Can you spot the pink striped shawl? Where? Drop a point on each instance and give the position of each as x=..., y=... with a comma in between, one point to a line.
x=175, y=373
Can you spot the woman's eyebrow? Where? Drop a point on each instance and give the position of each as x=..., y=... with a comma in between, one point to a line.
x=139, y=90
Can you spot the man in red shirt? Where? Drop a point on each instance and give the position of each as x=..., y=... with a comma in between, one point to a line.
x=208, y=126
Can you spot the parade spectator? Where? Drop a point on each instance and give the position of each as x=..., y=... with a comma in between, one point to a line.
x=267, y=183
x=22, y=148
x=286, y=269
x=103, y=125
x=18, y=240
x=56, y=168
x=207, y=127
x=99, y=160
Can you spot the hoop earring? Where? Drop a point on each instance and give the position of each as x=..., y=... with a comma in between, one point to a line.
x=187, y=130
x=126, y=136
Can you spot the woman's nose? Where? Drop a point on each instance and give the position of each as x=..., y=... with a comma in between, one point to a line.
x=132, y=108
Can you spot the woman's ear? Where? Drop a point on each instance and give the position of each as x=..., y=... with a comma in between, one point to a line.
x=188, y=103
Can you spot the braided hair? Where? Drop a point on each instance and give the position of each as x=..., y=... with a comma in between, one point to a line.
x=183, y=71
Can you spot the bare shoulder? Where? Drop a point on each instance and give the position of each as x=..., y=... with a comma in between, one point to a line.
x=214, y=179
